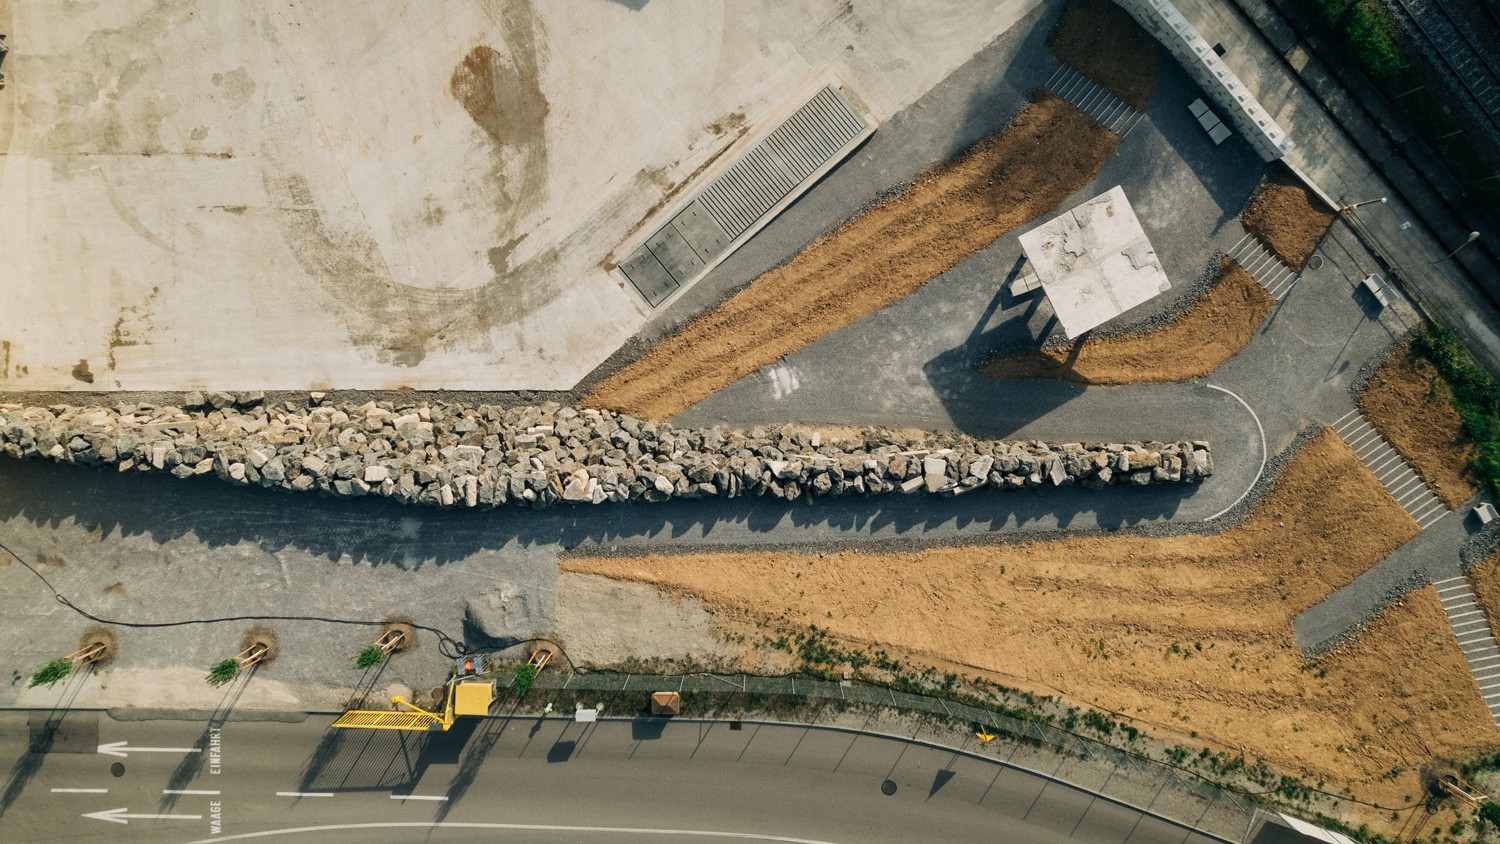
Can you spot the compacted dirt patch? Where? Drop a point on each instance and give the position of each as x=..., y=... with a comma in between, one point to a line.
x=1410, y=405
x=1194, y=344
x=1047, y=153
x=1190, y=633
x=1286, y=217
x=1100, y=40
x=1485, y=579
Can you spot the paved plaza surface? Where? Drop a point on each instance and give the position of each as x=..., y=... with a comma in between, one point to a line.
x=262, y=197
x=142, y=548
x=377, y=196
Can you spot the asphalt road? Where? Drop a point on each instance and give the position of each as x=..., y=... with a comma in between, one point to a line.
x=531, y=780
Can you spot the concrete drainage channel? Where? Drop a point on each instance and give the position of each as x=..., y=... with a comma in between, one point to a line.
x=752, y=190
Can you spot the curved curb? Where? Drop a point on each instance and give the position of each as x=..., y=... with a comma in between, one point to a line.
x=1264, y=452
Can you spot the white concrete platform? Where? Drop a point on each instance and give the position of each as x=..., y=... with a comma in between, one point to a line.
x=1095, y=262
x=379, y=194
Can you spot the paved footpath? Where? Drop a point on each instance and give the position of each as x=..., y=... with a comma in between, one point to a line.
x=1330, y=159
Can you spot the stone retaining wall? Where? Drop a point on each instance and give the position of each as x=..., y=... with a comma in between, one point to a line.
x=447, y=455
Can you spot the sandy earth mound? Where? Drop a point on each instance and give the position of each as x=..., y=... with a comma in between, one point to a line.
x=1101, y=41
x=1197, y=342
x=1286, y=217
x=1410, y=405
x=1046, y=154
x=1191, y=634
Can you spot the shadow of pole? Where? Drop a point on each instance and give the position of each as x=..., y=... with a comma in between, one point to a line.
x=42, y=738
x=192, y=763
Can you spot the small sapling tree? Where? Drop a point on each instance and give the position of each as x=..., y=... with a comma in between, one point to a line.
x=525, y=676
x=50, y=673
x=223, y=672
x=370, y=657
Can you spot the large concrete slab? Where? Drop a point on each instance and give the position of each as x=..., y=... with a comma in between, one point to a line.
x=1095, y=262
x=253, y=194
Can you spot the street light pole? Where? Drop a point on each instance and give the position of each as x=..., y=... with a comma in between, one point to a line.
x=1349, y=209
x=1473, y=236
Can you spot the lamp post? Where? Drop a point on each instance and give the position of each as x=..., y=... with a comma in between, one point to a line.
x=1349, y=209
x=1473, y=236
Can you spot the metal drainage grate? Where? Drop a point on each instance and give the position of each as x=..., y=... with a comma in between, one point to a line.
x=774, y=171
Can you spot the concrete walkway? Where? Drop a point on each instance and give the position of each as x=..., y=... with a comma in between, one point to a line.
x=1283, y=76
x=1431, y=555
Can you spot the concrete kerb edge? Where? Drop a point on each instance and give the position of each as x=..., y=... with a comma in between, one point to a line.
x=1312, y=185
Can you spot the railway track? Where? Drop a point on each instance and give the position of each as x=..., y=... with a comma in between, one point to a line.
x=1453, y=46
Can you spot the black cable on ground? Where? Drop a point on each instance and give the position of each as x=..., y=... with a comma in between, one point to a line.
x=447, y=645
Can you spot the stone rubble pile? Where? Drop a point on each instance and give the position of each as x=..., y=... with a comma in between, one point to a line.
x=451, y=456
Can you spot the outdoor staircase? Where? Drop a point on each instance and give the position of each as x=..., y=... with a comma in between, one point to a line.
x=1092, y=99
x=1262, y=264
x=1472, y=630
x=1393, y=472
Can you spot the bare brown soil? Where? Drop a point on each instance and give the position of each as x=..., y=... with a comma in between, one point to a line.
x=261, y=636
x=1197, y=342
x=1411, y=406
x=1100, y=40
x=100, y=636
x=1485, y=579
x=1190, y=633
x=1287, y=218
x=1047, y=153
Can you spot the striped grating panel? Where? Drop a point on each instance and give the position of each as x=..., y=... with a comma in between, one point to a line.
x=782, y=164
x=387, y=720
x=1472, y=630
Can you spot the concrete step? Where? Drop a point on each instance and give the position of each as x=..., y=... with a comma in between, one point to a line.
x=1393, y=472
x=1473, y=634
x=1262, y=264
x=1094, y=100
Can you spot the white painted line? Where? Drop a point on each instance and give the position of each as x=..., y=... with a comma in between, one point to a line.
x=1457, y=587
x=419, y=797
x=1427, y=505
x=120, y=748
x=1379, y=457
x=80, y=791
x=615, y=831
x=188, y=791
x=1407, y=490
x=1458, y=579
x=1434, y=520
x=304, y=794
x=1263, y=453
x=1462, y=614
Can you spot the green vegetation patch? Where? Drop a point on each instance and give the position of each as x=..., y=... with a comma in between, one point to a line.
x=1368, y=32
x=1474, y=395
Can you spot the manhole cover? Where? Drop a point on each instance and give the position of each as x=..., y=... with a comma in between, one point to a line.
x=1315, y=262
x=118, y=769
x=888, y=788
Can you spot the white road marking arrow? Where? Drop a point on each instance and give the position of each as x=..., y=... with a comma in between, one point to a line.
x=122, y=815
x=120, y=748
